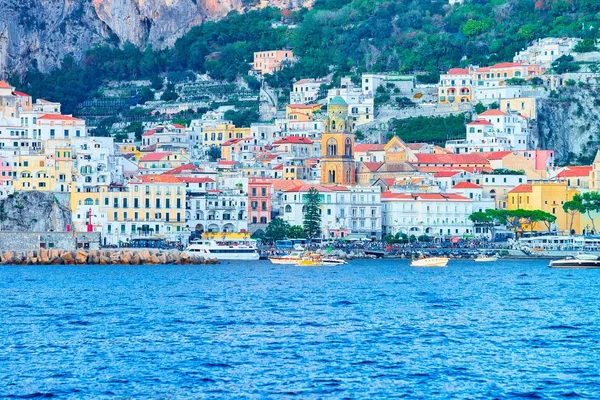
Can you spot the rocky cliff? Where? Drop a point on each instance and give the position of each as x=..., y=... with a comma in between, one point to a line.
x=568, y=122
x=35, y=212
x=45, y=31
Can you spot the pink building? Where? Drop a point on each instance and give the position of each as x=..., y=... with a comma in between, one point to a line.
x=6, y=186
x=260, y=192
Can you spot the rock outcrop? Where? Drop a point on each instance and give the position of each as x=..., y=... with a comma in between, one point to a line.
x=45, y=31
x=569, y=124
x=35, y=212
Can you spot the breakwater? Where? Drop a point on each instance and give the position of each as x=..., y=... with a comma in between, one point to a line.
x=101, y=257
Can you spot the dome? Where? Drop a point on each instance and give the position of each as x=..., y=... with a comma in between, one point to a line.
x=337, y=101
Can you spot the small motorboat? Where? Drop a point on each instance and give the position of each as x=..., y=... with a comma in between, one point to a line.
x=579, y=261
x=290, y=259
x=430, y=262
x=334, y=261
x=484, y=258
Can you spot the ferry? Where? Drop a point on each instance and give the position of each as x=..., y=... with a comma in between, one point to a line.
x=224, y=249
x=430, y=262
x=578, y=261
x=559, y=246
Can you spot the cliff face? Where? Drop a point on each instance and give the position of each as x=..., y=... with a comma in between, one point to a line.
x=34, y=212
x=45, y=31
x=569, y=124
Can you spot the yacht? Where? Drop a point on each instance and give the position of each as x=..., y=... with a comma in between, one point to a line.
x=225, y=249
x=484, y=258
x=430, y=262
x=578, y=261
x=289, y=259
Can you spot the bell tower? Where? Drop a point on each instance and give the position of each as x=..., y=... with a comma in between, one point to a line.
x=337, y=146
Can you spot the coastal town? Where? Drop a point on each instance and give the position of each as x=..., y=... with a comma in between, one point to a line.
x=177, y=181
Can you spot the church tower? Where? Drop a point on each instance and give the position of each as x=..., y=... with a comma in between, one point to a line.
x=337, y=146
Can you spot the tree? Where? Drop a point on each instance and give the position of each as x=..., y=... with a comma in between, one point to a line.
x=214, y=153
x=312, y=215
x=542, y=216
x=479, y=108
x=585, y=46
x=296, y=232
x=489, y=219
x=590, y=202
x=572, y=208
x=277, y=229
x=156, y=82
x=170, y=94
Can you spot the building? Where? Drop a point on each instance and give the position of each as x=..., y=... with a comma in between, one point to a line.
x=268, y=62
x=545, y=51
x=295, y=146
x=260, y=197
x=546, y=196
x=165, y=136
x=337, y=146
x=433, y=214
x=526, y=106
x=217, y=134
x=305, y=91
x=456, y=86
x=404, y=83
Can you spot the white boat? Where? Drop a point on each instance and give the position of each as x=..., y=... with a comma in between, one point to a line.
x=484, y=258
x=430, y=262
x=244, y=250
x=559, y=246
x=587, y=261
x=333, y=261
x=290, y=259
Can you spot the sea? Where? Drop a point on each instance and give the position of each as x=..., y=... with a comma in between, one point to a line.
x=369, y=329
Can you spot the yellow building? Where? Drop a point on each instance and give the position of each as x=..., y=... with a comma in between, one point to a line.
x=149, y=205
x=301, y=112
x=545, y=196
x=337, y=146
x=32, y=173
x=456, y=86
x=526, y=106
x=221, y=133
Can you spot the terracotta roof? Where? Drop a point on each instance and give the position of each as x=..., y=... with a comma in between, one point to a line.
x=179, y=126
x=507, y=65
x=522, y=188
x=59, y=117
x=441, y=196
x=433, y=170
x=575, y=171
x=282, y=184
x=368, y=147
x=5, y=85
x=301, y=81
x=451, y=159
x=187, y=168
x=495, y=155
x=231, y=142
x=446, y=174
x=20, y=94
x=398, y=196
x=306, y=187
x=457, y=71
x=303, y=106
x=278, y=167
x=157, y=179
x=226, y=163
x=372, y=166
x=155, y=156
x=293, y=140
x=479, y=122
x=149, y=133
x=466, y=185
x=415, y=146
x=188, y=179
x=492, y=113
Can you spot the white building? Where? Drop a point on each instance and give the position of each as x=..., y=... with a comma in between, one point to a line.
x=494, y=94
x=544, y=51
x=344, y=210
x=404, y=83
x=432, y=214
x=166, y=136
x=305, y=91
x=212, y=210
x=361, y=108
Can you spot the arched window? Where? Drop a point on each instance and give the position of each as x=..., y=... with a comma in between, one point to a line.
x=332, y=147
x=333, y=124
x=517, y=73
x=88, y=202
x=348, y=147
x=96, y=201
x=332, y=176
x=288, y=209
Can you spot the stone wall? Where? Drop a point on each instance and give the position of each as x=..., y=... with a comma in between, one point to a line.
x=32, y=241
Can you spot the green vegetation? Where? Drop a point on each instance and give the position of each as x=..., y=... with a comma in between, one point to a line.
x=214, y=153
x=585, y=46
x=413, y=36
x=432, y=130
x=514, y=219
x=312, y=215
x=279, y=229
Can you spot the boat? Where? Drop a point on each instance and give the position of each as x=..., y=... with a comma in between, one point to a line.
x=289, y=259
x=578, y=261
x=484, y=258
x=313, y=260
x=334, y=261
x=430, y=262
x=243, y=250
x=556, y=246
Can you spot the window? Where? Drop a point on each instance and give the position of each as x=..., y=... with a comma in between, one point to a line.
x=288, y=209
x=88, y=202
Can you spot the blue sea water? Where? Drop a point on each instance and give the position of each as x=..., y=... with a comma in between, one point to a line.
x=370, y=329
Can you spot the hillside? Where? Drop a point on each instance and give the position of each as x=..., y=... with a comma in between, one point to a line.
x=355, y=35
